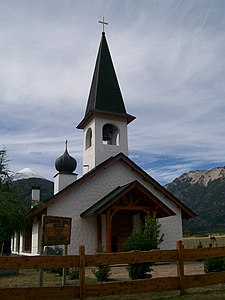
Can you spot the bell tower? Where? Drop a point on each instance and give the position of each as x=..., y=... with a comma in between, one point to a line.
x=105, y=122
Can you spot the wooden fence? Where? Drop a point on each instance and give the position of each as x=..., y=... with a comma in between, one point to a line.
x=180, y=282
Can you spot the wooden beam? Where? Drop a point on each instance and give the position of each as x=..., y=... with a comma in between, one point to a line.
x=82, y=272
x=154, y=214
x=137, y=200
x=38, y=262
x=108, y=232
x=132, y=287
x=180, y=267
x=137, y=208
x=99, y=231
x=37, y=293
x=131, y=257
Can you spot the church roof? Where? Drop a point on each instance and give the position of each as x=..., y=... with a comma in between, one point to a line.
x=148, y=198
x=105, y=95
x=186, y=212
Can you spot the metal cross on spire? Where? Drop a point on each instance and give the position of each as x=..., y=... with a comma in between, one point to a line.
x=66, y=144
x=103, y=23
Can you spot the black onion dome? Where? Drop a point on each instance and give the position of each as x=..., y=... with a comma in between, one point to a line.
x=65, y=163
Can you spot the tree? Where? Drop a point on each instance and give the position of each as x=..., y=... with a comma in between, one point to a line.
x=4, y=171
x=143, y=239
x=12, y=211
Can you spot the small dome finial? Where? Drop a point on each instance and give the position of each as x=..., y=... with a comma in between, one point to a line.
x=65, y=163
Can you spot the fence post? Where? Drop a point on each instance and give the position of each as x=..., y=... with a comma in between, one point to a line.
x=180, y=267
x=64, y=269
x=41, y=247
x=82, y=272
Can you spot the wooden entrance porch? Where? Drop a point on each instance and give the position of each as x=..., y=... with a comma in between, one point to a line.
x=122, y=210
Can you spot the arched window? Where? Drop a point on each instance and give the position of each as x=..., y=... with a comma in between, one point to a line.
x=88, y=138
x=110, y=135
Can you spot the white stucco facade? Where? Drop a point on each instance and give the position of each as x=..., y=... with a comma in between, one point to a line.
x=84, y=230
x=61, y=181
x=95, y=151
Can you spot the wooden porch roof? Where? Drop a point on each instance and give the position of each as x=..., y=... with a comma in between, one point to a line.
x=131, y=197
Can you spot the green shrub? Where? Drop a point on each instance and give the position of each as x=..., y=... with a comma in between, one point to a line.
x=216, y=264
x=74, y=273
x=143, y=239
x=140, y=271
x=102, y=272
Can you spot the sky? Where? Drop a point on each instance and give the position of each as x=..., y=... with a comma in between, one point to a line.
x=169, y=57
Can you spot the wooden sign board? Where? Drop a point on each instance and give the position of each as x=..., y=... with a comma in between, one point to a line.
x=56, y=231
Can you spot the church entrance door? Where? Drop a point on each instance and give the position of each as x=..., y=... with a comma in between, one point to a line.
x=122, y=225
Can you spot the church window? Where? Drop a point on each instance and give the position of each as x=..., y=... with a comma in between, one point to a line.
x=110, y=135
x=89, y=138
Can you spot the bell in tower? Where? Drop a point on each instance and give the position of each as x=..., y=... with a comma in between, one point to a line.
x=110, y=134
x=107, y=132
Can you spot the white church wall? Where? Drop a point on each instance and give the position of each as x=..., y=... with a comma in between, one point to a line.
x=35, y=238
x=87, y=234
x=21, y=243
x=171, y=227
x=84, y=230
x=61, y=181
x=15, y=243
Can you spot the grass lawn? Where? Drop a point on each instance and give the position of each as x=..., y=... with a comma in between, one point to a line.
x=193, y=242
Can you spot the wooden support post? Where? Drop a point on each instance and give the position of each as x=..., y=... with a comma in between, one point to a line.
x=41, y=247
x=108, y=231
x=82, y=272
x=99, y=231
x=41, y=273
x=180, y=267
x=64, y=269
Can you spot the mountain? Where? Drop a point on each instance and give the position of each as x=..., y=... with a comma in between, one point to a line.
x=24, y=187
x=203, y=191
x=24, y=174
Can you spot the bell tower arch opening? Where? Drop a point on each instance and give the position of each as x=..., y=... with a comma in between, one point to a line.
x=110, y=135
x=88, y=142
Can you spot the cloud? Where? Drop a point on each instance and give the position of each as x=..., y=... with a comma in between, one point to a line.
x=169, y=59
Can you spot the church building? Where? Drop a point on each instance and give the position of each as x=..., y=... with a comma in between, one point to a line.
x=114, y=194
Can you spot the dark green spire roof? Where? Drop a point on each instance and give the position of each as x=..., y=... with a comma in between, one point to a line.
x=105, y=95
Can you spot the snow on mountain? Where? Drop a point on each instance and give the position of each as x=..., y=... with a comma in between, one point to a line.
x=24, y=174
